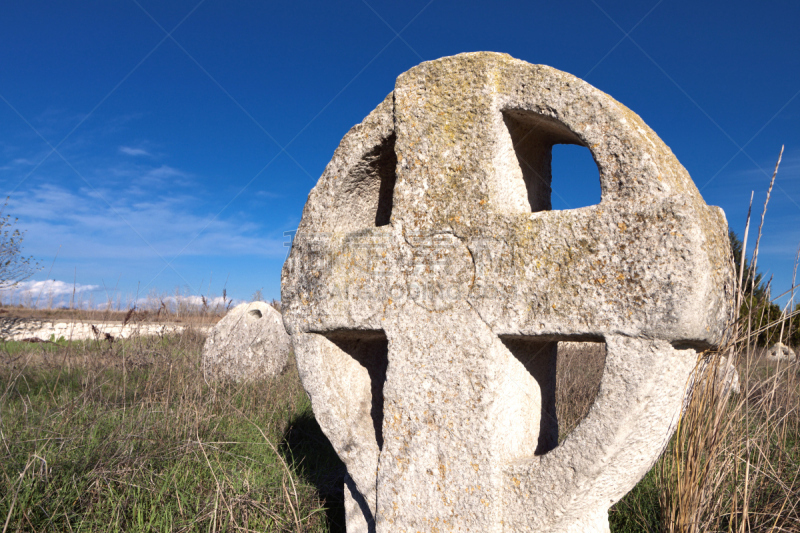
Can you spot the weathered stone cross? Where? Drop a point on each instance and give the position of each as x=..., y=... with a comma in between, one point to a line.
x=429, y=283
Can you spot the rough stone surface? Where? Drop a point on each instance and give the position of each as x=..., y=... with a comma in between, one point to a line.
x=725, y=373
x=781, y=352
x=249, y=343
x=728, y=376
x=429, y=283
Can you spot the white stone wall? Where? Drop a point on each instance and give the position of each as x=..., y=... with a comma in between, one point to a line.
x=21, y=329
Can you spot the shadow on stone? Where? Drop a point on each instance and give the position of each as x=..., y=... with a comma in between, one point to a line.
x=539, y=359
x=371, y=350
x=305, y=446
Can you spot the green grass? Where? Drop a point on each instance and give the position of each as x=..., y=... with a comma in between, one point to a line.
x=639, y=510
x=128, y=436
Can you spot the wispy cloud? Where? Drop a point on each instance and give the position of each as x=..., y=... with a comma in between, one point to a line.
x=17, y=163
x=103, y=224
x=268, y=194
x=127, y=150
x=787, y=173
x=163, y=172
x=134, y=178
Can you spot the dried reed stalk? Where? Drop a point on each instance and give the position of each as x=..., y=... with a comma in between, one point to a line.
x=733, y=464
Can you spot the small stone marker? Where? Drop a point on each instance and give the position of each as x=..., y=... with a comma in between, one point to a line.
x=780, y=352
x=249, y=343
x=429, y=283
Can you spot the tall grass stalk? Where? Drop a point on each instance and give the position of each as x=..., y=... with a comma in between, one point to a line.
x=734, y=463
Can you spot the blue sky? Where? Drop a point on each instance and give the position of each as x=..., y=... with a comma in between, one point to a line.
x=148, y=145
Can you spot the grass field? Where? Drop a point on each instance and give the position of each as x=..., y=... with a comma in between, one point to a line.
x=128, y=436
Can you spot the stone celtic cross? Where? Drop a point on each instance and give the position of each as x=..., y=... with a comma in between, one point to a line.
x=429, y=283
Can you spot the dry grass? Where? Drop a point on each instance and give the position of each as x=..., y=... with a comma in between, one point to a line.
x=580, y=367
x=735, y=460
x=144, y=316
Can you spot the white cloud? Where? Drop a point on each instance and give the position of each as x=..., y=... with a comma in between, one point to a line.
x=192, y=301
x=56, y=293
x=47, y=293
x=172, y=303
x=127, y=150
x=51, y=287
